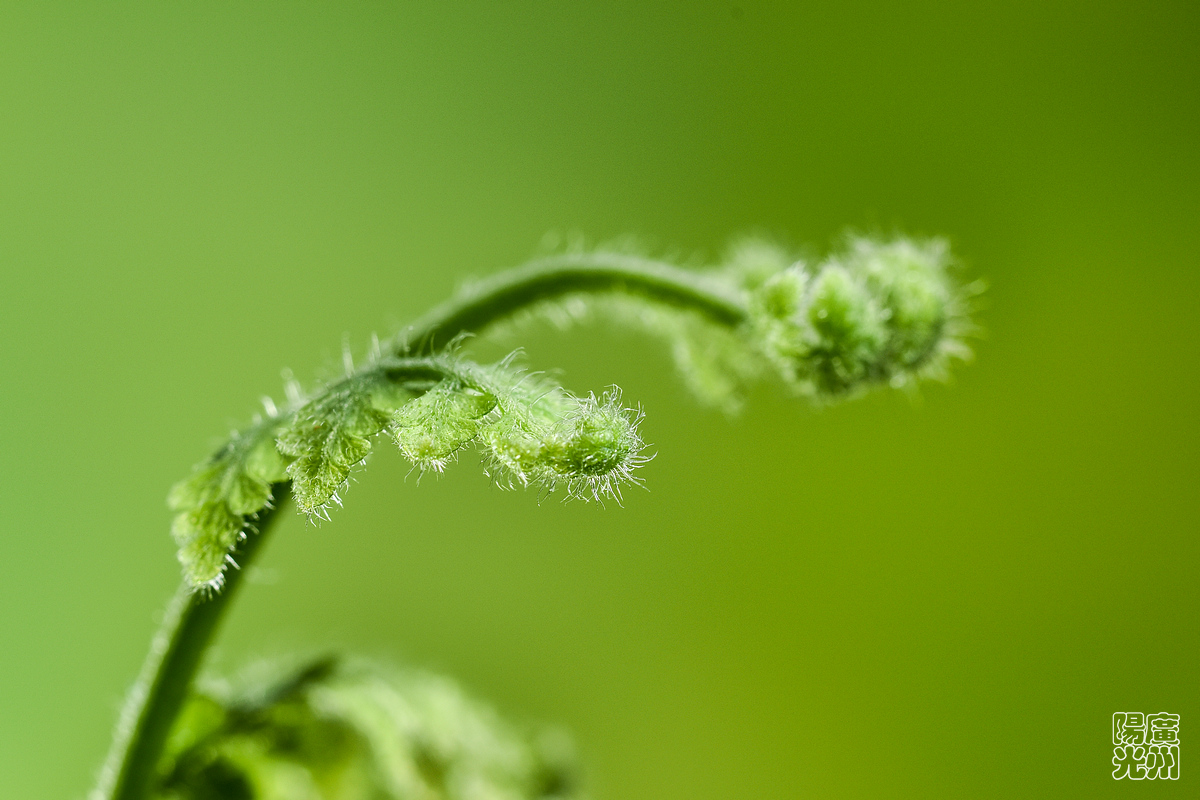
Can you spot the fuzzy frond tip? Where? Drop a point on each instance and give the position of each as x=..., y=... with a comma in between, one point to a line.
x=880, y=312
x=597, y=449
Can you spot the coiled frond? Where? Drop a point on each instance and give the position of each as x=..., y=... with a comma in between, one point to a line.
x=879, y=312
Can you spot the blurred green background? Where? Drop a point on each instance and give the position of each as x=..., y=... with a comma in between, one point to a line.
x=883, y=599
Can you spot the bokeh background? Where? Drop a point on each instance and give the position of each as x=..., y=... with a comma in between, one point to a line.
x=946, y=598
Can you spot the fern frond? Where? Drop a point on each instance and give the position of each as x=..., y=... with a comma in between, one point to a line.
x=221, y=498
x=531, y=431
x=878, y=312
x=331, y=434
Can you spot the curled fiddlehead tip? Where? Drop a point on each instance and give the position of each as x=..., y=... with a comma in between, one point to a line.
x=531, y=432
x=595, y=448
x=878, y=312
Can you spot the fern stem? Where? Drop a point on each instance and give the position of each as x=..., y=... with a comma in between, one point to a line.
x=548, y=279
x=158, y=695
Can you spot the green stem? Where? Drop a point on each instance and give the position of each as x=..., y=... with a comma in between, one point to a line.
x=192, y=618
x=162, y=686
x=509, y=292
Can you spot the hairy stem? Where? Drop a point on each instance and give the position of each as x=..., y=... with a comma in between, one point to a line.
x=192, y=618
x=178, y=648
x=550, y=278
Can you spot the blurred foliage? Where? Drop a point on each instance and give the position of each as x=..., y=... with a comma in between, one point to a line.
x=335, y=730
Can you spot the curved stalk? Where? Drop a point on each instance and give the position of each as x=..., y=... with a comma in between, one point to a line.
x=175, y=654
x=509, y=292
x=192, y=618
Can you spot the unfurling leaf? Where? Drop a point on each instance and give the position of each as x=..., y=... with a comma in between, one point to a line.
x=329, y=436
x=216, y=503
x=432, y=428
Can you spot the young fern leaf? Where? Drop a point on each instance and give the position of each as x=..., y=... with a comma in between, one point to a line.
x=431, y=429
x=532, y=433
x=593, y=449
x=879, y=312
x=220, y=499
x=330, y=435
